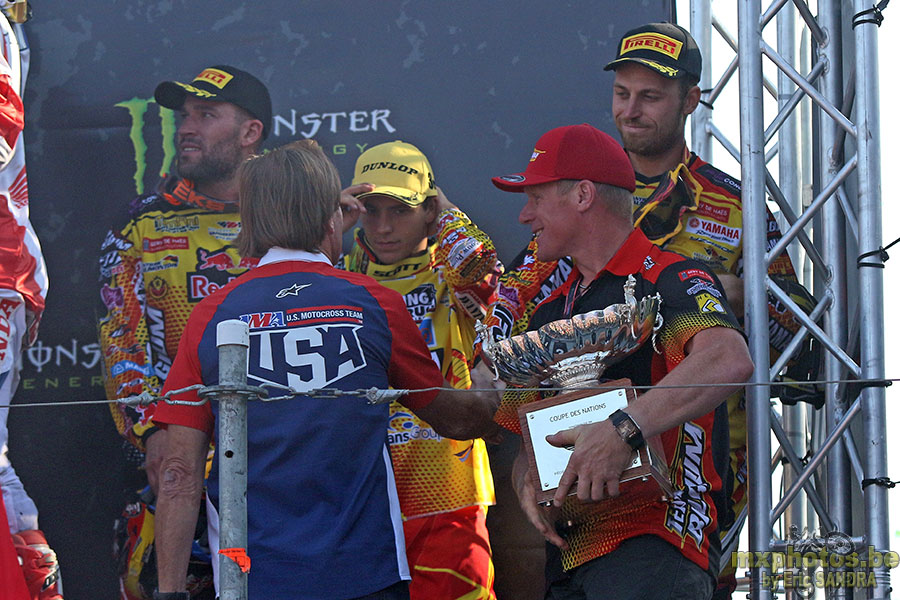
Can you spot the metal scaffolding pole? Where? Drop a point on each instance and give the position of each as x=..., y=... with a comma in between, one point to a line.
x=233, y=341
x=701, y=135
x=834, y=249
x=753, y=194
x=846, y=154
x=871, y=290
x=789, y=174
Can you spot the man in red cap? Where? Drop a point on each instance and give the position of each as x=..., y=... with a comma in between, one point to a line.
x=579, y=186
x=684, y=205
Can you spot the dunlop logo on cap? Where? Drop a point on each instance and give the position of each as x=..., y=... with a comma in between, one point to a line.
x=214, y=76
x=652, y=41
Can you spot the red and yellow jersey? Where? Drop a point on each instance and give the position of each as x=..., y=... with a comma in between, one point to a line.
x=695, y=210
x=446, y=289
x=177, y=248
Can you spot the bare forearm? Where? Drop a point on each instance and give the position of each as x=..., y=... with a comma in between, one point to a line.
x=719, y=360
x=462, y=414
x=181, y=486
x=176, y=521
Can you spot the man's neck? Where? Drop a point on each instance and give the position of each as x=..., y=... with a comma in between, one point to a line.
x=658, y=164
x=593, y=257
x=225, y=190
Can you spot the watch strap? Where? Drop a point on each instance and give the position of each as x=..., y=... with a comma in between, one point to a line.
x=627, y=428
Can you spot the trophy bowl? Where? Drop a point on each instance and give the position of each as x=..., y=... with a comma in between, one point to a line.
x=572, y=352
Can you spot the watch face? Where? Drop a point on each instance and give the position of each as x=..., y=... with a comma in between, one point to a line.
x=627, y=429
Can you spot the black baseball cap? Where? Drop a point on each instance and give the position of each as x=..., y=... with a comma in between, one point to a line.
x=221, y=83
x=666, y=48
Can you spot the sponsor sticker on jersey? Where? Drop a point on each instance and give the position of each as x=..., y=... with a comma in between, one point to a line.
x=403, y=428
x=294, y=290
x=169, y=262
x=129, y=365
x=157, y=288
x=427, y=331
x=421, y=301
x=178, y=224
x=305, y=358
x=719, y=213
x=219, y=260
x=201, y=285
x=113, y=297
x=703, y=286
x=689, y=273
x=715, y=231
x=708, y=304
x=263, y=320
x=352, y=315
x=227, y=231
x=115, y=241
x=168, y=242
x=463, y=250
x=509, y=294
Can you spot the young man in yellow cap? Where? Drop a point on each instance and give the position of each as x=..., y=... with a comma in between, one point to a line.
x=414, y=241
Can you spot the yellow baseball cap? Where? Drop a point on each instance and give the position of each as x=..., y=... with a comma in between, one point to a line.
x=398, y=170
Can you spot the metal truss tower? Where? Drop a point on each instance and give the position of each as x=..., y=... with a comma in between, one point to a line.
x=820, y=117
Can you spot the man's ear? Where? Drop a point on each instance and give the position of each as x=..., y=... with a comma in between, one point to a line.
x=691, y=100
x=251, y=132
x=585, y=195
x=430, y=208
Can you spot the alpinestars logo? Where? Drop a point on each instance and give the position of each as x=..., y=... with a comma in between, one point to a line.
x=688, y=514
x=305, y=358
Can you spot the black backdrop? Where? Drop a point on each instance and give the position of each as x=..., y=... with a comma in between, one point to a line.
x=473, y=84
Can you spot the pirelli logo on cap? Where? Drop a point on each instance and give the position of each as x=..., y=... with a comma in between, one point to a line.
x=652, y=41
x=215, y=76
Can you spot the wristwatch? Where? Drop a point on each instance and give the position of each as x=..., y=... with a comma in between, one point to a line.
x=627, y=428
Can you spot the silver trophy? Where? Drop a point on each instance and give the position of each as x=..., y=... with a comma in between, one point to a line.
x=576, y=351
x=573, y=353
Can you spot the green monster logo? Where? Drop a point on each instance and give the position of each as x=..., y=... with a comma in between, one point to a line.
x=137, y=109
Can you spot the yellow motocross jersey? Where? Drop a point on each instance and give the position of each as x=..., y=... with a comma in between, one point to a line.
x=176, y=249
x=446, y=289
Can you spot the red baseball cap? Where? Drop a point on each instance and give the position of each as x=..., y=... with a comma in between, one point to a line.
x=573, y=152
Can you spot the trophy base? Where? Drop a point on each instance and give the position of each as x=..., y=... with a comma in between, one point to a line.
x=648, y=473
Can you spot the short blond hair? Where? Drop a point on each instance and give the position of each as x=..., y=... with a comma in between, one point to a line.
x=287, y=198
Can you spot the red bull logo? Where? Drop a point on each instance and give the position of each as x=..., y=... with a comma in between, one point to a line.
x=218, y=260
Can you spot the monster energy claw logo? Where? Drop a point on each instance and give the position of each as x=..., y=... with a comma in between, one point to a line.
x=137, y=109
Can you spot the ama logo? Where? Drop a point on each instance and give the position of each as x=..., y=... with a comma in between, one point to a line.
x=305, y=358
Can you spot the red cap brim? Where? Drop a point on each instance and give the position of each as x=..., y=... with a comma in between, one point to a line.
x=518, y=181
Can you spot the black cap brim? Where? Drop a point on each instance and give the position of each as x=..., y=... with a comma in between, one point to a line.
x=664, y=70
x=171, y=94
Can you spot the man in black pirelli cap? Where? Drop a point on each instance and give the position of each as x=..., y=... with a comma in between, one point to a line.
x=177, y=247
x=664, y=47
x=221, y=83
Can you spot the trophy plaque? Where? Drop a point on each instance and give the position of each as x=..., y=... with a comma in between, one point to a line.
x=572, y=353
